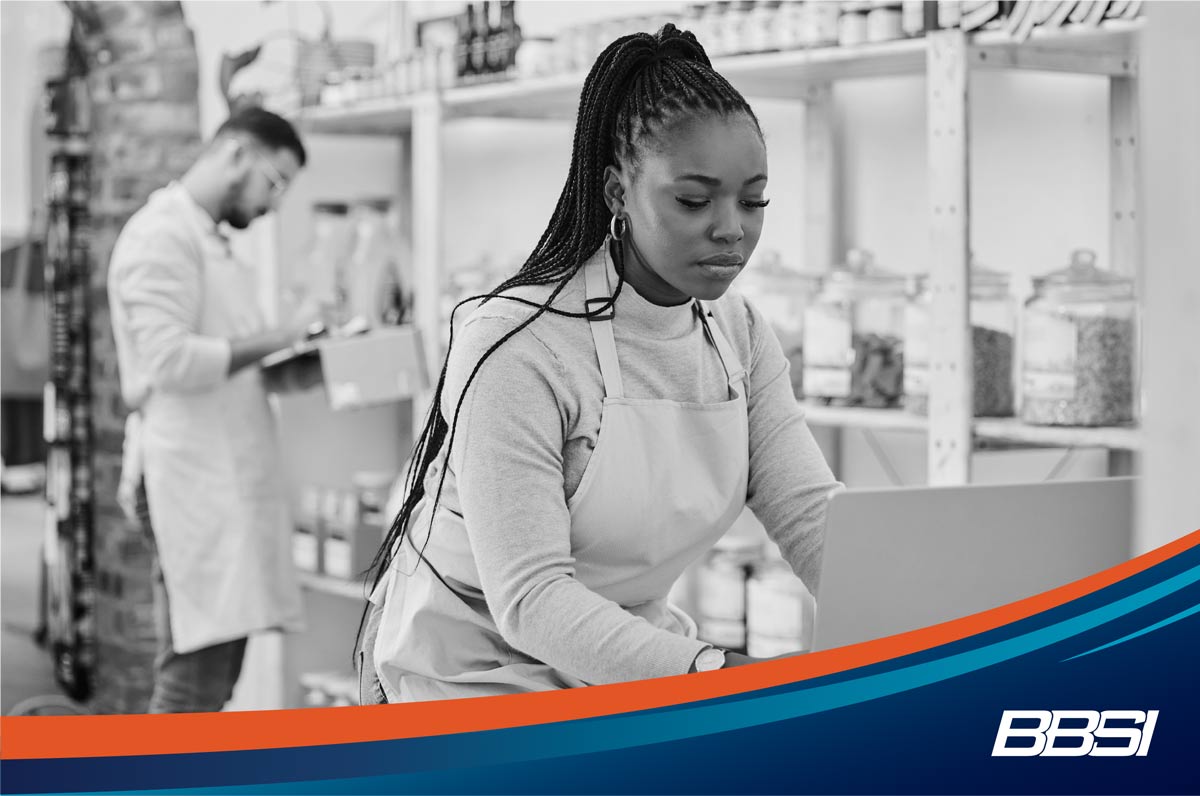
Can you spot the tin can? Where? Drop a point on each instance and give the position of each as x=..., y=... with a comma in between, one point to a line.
x=722, y=593
x=779, y=612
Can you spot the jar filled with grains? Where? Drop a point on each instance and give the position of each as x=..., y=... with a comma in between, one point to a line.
x=1079, y=342
x=853, y=336
x=993, y=331
x=781, y=294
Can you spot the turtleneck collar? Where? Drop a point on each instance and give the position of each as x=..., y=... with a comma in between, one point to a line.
x=636, y=315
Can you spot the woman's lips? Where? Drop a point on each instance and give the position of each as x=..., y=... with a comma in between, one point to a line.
x=719, y=271
x=730, y=258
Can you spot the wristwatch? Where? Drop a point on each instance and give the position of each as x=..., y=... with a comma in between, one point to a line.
x=710, y=659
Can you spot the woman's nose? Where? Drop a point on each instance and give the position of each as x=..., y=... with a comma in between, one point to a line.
x=728, y=227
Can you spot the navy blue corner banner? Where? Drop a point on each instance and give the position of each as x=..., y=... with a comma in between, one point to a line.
x=1091, y=688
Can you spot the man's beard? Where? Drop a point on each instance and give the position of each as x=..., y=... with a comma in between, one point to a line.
x=233, y=213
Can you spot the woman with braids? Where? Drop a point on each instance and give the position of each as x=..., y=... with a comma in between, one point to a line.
x=605, y=415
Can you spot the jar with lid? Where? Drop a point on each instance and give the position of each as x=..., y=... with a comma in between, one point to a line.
x=760, y=32
x=782, y=294
x=377, y=290
x=993, y=332
x=1079, y=340
x=721, y=591
x=779, y=610
x=853, y=336
x=322, y=277
x=789, y=27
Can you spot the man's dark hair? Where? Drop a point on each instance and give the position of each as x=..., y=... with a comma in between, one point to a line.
x=640, y=88
x=272, y=131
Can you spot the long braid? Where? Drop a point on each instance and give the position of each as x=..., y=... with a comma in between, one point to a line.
x=638, y=88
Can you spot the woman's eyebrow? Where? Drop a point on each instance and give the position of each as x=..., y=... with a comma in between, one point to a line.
x=714, y=182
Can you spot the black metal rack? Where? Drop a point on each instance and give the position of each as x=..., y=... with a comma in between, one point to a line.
x=70, y=525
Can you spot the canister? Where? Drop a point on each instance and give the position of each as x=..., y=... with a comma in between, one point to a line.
x=854, y=336
x=306, y=538
x=780, y=611
x=721, y=586
x=993, y=335
x=1079, y=347
x=782, y=294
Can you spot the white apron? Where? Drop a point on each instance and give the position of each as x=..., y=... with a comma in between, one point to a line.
x=664, y=482
x=214, y=483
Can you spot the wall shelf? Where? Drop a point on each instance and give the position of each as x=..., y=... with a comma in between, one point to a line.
x=984, y=428
x=1107, y=50
x=339, y=587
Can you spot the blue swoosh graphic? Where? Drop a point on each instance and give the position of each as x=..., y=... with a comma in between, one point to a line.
x=1156, y=626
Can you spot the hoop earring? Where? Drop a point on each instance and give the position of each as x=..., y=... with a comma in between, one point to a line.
x=617, y=223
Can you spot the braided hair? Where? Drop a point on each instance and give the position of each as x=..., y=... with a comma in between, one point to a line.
x=640, y=87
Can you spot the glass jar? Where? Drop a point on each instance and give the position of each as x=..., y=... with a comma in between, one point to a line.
x=779, y=611
x=782, y=294
x=322, y=277
x=1078, y=349
x=854, y=336
x=993, y=332
x=721, y=592
x=377, y=289
x=789, y=27
x=760, y=34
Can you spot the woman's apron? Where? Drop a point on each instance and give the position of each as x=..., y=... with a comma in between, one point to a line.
x=664, y=482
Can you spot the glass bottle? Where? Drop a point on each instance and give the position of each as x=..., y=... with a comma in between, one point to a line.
x=1080, y=337
x=853, y=336
x=993, y=334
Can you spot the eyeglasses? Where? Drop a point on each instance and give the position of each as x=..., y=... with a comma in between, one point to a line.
x=279, y=183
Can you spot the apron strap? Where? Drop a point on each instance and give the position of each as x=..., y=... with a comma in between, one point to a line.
x=597, y=287
x=729, y=358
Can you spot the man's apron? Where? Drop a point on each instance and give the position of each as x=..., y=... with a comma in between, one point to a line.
x=214, y=483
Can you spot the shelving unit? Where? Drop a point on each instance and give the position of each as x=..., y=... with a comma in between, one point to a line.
x=338, y=587
x=1123, y=438
x=1108, y=50
x=945, y=58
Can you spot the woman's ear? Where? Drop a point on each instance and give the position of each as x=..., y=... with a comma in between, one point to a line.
x=614, y=189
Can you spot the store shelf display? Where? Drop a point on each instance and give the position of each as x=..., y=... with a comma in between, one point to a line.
x=70, y=498
x=803, y=66
x=487, y=47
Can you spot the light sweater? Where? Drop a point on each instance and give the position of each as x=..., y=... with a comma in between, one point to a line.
x=525, y=433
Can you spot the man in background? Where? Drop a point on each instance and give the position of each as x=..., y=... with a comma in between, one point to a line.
x=189, y=335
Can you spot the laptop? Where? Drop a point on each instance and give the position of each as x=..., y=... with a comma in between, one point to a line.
x=900, y=559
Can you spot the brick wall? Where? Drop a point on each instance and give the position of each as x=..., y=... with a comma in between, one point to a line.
x=142, y=78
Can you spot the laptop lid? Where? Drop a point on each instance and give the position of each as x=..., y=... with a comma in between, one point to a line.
x=900, y=559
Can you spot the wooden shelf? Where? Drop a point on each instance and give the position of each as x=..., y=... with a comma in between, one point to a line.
x=1106, y=50
x=340, y=587
x=1001, y=429
x=859, y=417
x=1013, y=430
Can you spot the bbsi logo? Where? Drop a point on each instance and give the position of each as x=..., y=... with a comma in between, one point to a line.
x=1076, y=741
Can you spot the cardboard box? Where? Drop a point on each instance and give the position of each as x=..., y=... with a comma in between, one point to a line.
x=378, y=367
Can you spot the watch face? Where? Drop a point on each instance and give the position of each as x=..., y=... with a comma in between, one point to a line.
x=710, y=660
